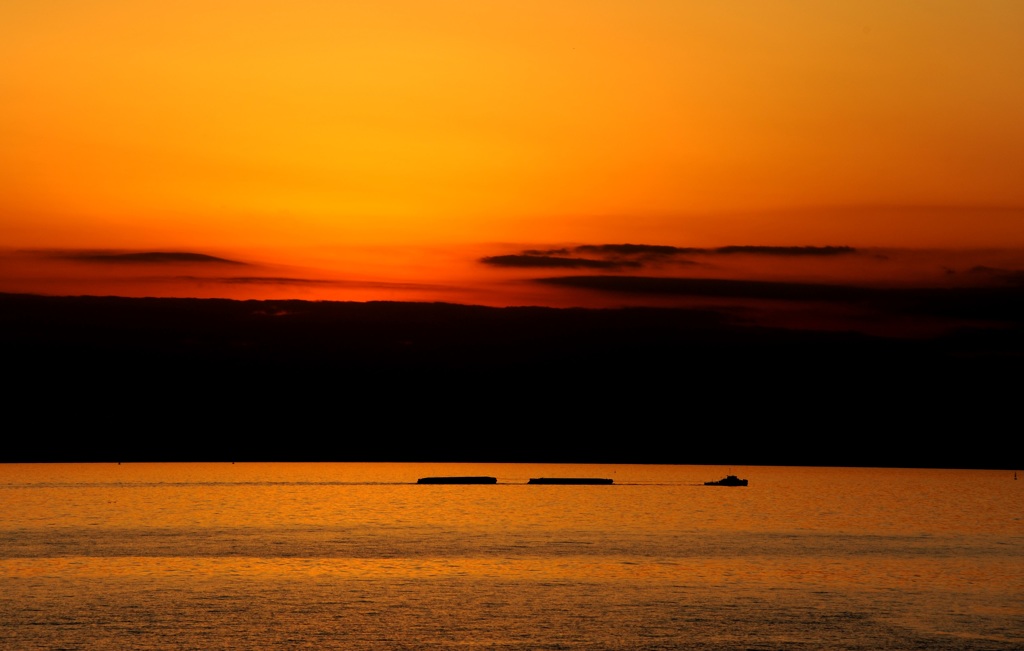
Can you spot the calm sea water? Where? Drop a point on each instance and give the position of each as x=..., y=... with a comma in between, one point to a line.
x=359, y=556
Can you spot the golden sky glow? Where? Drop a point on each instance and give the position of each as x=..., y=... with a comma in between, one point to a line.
x=196, y=124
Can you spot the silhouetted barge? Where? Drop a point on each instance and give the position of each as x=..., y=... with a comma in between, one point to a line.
x=729, y=480
x=457, y=480
x=569, y=480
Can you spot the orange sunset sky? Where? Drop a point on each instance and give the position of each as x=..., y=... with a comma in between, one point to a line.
x=274, y=130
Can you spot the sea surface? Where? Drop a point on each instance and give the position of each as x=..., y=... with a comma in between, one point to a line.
x=360, y=556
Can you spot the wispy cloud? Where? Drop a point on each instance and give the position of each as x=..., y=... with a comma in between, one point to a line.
x=549, y=261
x=648, y=250
x=1012, y=276
x=615, y=257
x=785, y=250
x=147, y=257
x=636, y=249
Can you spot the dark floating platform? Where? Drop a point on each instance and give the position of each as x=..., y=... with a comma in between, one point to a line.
x=729, y=480
x=457, y=480
x=570, y=480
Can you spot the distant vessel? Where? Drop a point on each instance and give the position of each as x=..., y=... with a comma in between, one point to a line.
x=729, y=480
x=570, y=480
x=457, y=480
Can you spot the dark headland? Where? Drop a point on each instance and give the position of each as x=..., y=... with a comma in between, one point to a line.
x=118, y=379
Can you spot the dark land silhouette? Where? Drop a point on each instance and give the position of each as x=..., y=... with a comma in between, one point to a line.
x=117, y=379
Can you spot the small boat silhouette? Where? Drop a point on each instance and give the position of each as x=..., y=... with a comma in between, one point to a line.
x=728, y=480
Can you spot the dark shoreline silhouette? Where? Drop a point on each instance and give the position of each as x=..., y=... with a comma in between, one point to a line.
x=119, y=379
